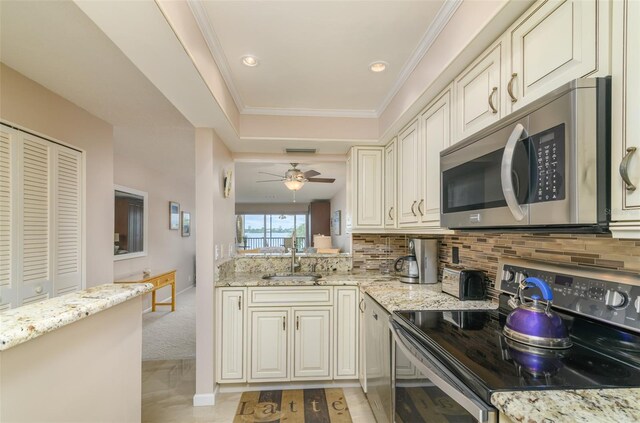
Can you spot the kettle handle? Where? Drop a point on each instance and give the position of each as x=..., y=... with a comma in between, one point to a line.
x=398, y=263
x=531, y=282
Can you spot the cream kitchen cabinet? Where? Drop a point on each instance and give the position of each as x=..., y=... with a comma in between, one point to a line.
x=378, y=361
x=435, y=128
x=312, y=343
x=365, y=193
x=346, y=332
x=269, y=338
x=625, y=143
x=390, y=185
x=231, y=338
x=362, y=339
x=408, y=176
x=478, y=93
x=551, y=44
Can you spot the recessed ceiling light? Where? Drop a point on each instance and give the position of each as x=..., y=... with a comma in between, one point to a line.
x=378, y=66
x=250, y=61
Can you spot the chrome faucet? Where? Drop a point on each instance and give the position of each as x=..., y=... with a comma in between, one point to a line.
x=294, y=264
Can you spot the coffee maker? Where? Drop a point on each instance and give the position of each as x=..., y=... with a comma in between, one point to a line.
x=421, y=265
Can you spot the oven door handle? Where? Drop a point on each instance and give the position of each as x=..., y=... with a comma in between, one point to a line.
x=442, y=378
x=506, y=171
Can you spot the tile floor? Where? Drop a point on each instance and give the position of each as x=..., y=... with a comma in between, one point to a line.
x=167, y=394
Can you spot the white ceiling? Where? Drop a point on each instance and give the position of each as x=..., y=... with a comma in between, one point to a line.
x=55, y=44
x=315, y=55
x=248, y=190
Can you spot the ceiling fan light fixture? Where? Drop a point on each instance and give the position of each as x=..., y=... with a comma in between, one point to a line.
x=250, y=61
x=294, y=184
x=378, y=66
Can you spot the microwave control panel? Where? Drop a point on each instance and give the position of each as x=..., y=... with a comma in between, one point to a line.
x=549, y=155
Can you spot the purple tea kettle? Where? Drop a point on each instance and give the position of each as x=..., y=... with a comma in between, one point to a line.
x=532, y=323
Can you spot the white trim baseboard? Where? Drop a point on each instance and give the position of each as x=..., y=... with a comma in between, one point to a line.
x=204, y=400
x=242, y=387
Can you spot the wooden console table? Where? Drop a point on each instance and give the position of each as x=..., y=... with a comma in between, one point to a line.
x=159, y=280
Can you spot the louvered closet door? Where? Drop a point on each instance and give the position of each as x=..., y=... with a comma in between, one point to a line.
x=68, y=221
x=7, y=285
x=35, y=268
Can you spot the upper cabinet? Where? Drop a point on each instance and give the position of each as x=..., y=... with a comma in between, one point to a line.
x=365, y=188
x=478, y=92
x=419, y=147
x=390, y=186
x=553, y=43
x=625, y=192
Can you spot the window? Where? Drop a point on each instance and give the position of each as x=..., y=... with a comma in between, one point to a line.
x=271, y=232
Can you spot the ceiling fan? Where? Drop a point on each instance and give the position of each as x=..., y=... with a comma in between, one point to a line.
x=294, y=178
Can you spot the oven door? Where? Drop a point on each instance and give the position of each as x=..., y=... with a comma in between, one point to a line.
x=488, y=183
x=425, y=391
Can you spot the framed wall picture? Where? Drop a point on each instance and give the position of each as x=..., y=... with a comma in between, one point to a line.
x=174, y=215
x=336, y=222
x=186, y=223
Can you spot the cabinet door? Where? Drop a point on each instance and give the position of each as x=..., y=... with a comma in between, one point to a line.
x=478, y=94
x=625, y=143
x=362, y=341
x=408, y=174
x=390, y=185
x=231, y=347
x=434, y=137
x=368, y=169
x=346, y=332
x=269, y=355
x=36, y=239
x=554, y=43
x=312, y=343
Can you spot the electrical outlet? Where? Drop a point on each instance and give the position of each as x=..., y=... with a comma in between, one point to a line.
x=455, y=255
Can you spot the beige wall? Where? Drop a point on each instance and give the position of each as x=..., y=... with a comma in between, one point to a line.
x=31, y=106
x=339, y=202
x=167, y=249
x=216, y=227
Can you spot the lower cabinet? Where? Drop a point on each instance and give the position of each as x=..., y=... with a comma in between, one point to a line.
x=378, y=360
x=308, y=333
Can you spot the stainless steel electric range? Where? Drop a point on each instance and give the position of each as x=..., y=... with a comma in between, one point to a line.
x=447, y=364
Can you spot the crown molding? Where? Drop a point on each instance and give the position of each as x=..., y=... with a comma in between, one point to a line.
x=275, y=111
x=441, y=19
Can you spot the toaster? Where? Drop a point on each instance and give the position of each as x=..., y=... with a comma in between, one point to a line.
x=464, y=284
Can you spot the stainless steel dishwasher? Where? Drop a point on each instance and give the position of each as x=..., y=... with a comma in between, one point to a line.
x=378, y=360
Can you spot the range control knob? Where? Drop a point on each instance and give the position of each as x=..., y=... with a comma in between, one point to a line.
x=615, y=299
x=637, y=305
x=508, y=275
x=520, y=276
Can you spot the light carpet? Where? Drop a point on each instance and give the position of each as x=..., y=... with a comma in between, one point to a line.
x=170, y=335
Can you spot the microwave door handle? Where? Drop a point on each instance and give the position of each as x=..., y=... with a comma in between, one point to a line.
x=466, y=400
x=506, y=169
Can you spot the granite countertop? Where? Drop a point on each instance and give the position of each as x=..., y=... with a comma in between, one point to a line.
x=30, y=321
x=583, y=405
x=387, y=290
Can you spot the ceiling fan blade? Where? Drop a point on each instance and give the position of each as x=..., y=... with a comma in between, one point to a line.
x=272, y=174
x=323, y=180
x=311, y=173
x=272, y=180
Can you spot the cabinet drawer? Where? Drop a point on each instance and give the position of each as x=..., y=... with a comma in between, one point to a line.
x=161, y=281
x=290, y=296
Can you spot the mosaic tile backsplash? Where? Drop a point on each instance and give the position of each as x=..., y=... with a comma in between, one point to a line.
x=483, y=250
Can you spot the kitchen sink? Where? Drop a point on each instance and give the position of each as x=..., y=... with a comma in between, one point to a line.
x=297, y=277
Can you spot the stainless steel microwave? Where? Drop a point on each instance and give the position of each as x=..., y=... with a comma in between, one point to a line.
x=544, y=166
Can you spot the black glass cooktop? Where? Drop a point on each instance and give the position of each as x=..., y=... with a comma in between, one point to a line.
x=471, y=345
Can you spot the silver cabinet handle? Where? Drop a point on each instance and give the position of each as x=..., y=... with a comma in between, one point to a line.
x=284, y=323
x=297, y=322
x=39, y=290
x=239, y=303
x=375, y=316
x=390, y=210
x=493, y=108
x=420, y=207
x=624, y=169
x=413, y=208
x=510, y=87
x=362, y=306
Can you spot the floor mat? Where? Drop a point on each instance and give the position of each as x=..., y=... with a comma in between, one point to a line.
x=293, y=406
